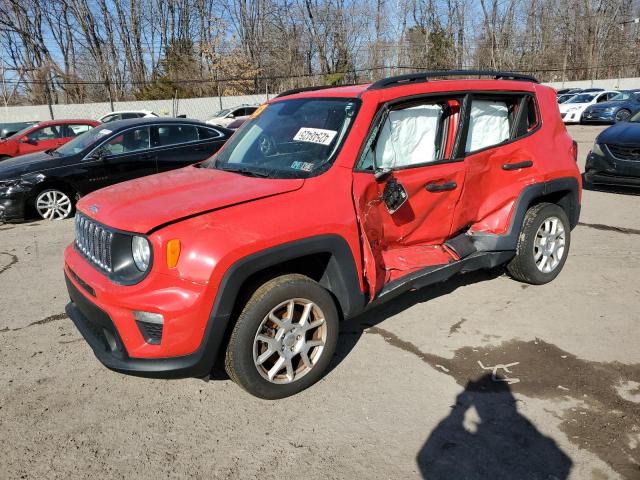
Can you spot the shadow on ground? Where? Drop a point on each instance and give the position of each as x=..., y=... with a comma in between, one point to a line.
x=485, y=436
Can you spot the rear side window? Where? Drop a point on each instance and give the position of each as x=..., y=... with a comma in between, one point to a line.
x=175, y=134
x=129, y=116
x=493, y=121
x=207, y=133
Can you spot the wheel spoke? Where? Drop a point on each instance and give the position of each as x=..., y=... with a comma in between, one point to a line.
x=305, y=359
x=304, y=318
x=290, y=306
x=276, y=368
x=274, y=318
x=314, y=343
x=290, y=373
x=264, y=356
x=314, y=324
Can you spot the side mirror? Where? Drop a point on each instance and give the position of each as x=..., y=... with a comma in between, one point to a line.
x=99, y=155
x=231, y=115
x=27, y=140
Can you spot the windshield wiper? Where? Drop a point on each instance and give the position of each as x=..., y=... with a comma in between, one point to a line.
x=247, y=171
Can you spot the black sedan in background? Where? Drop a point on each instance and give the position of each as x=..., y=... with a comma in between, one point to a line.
x=52, y=181
x=615, y=156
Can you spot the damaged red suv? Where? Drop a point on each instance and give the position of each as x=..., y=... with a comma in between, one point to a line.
x=327, y=202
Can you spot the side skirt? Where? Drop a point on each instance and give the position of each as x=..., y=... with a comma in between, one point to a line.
x=440, y=273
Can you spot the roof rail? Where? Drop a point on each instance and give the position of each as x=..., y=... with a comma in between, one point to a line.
x=425, y=76
x=308, y=89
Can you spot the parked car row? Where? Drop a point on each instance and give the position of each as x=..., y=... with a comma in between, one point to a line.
x=70, y=163
x=598, y=105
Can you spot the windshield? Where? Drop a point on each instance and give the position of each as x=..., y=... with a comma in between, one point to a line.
x=565, y=98
x=20, y=133
x=83, y=141
x=582, y=98
x=292, y=138
x=221, y=113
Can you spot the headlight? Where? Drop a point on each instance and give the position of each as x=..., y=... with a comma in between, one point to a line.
x=141, y=253
x=9, y=183
x=597, y=149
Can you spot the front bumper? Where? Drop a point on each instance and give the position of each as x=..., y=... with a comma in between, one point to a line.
x=609, y=170
x=102, y=312
x=598, y=117
x=571, y=117
x=12, y=207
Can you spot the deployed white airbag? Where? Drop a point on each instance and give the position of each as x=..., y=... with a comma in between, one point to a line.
x=408, y=137
x=489, y=124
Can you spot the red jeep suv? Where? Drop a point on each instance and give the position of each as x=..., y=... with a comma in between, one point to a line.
x=325, y=203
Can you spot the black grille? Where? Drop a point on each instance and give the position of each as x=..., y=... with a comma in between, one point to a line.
x=152, y=332
x=625, y=152
x=94, y=241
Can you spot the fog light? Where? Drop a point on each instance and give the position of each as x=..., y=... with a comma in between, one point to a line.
x=148, y=317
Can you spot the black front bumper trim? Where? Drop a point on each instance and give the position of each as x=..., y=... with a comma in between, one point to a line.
x=89, y=319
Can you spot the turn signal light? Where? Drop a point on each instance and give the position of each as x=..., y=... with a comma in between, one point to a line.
x=173, y=253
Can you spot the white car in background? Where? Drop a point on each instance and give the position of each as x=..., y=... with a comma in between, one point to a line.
x=225, y=117
x=571, y=110
x=126, y=115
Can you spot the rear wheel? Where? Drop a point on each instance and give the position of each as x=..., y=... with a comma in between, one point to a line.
x=623, y=115
x=284, y=338
x=54, y=204
x=543, y=245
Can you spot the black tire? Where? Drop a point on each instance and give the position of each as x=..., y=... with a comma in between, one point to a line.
x=239, y=359
x=523, y=266
x=622, y=115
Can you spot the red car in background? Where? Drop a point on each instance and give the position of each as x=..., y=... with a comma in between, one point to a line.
x=43, y=136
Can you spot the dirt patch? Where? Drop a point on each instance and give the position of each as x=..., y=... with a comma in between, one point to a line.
x=456, y=326
x=51, y=318
x=609, y=228
x=7, y=260
x=607, y=418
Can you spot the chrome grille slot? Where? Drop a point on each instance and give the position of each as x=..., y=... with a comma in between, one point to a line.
x=94, y=242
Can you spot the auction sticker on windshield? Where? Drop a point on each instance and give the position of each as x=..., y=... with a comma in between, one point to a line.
x=315, y=135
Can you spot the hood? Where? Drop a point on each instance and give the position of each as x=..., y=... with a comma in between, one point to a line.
x=143, y=204
x=621, y=133
x=564, y=107
x=30, y=163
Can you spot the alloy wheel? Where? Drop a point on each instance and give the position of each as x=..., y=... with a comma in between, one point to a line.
x=53, y=205
x=289, y=341
x=548, y=246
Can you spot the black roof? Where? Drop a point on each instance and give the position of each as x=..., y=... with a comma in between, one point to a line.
x=122, y=124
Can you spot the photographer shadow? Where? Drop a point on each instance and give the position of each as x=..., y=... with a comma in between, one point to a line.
x=485, y=436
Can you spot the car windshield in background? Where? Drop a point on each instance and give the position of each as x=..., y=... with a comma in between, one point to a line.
x=221, y=113
x=582, y=98
x=83, y=141
x=291, y=138
x=20, y=133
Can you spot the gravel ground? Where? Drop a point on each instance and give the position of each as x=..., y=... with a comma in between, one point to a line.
x=409, y=394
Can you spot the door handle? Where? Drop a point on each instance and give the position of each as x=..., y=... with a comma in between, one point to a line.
x=517, y=165
x=441, y=187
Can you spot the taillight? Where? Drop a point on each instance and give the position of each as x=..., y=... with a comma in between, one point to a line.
x=574, y=150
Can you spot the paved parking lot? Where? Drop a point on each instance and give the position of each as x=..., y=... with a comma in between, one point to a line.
x=410, y=393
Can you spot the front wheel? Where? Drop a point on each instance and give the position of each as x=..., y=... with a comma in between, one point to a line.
x=284, y=338
x=543, y=245
x=54, y=204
